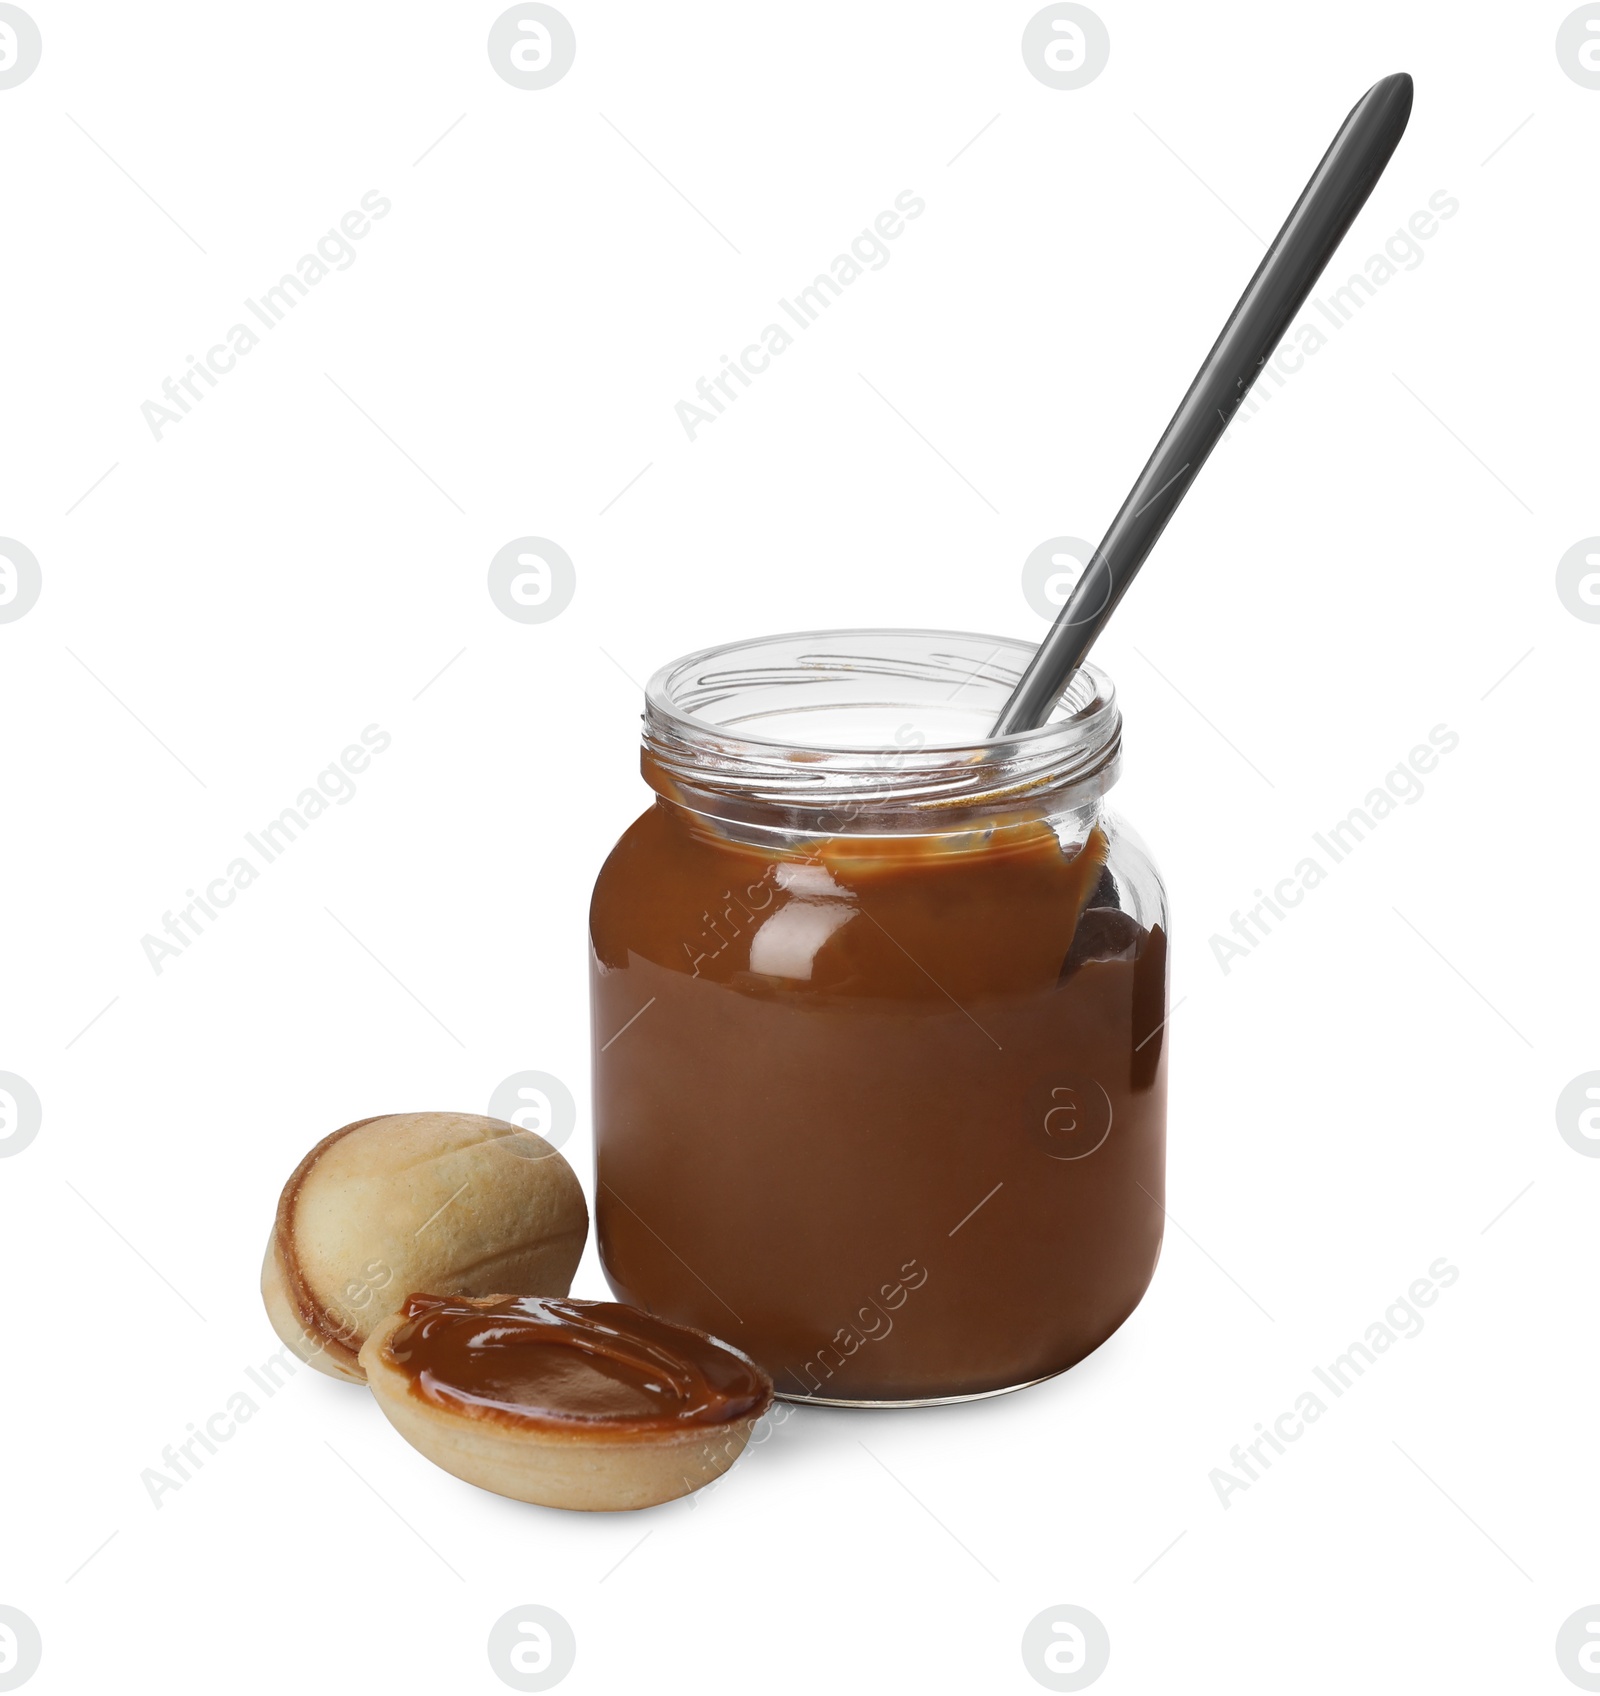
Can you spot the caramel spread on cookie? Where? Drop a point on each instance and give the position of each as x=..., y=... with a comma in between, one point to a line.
x=597, y=1365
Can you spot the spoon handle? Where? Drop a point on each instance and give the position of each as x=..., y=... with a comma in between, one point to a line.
x=1327, y=206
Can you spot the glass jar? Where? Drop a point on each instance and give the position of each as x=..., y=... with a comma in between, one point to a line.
x=879, y=1012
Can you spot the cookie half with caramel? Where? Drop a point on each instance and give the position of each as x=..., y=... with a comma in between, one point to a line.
x=453, y=1202
x=572, y=1404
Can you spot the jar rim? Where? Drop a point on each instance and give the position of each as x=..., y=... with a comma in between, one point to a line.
x=1076, y=707
x=699, y=749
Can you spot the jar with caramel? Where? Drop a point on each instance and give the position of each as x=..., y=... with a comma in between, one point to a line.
x=879, y=1012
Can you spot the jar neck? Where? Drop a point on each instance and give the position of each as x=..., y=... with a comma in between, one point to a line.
x=873, y=733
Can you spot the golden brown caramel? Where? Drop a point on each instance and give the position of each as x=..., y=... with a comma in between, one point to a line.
x=890, y=1114
x=595, y=1365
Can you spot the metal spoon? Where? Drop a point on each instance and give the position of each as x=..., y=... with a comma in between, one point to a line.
x=1337, y=191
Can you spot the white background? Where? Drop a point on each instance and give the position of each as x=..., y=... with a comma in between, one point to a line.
x=1367, y=558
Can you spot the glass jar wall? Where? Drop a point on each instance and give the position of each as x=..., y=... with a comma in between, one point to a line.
x=879, y=1020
